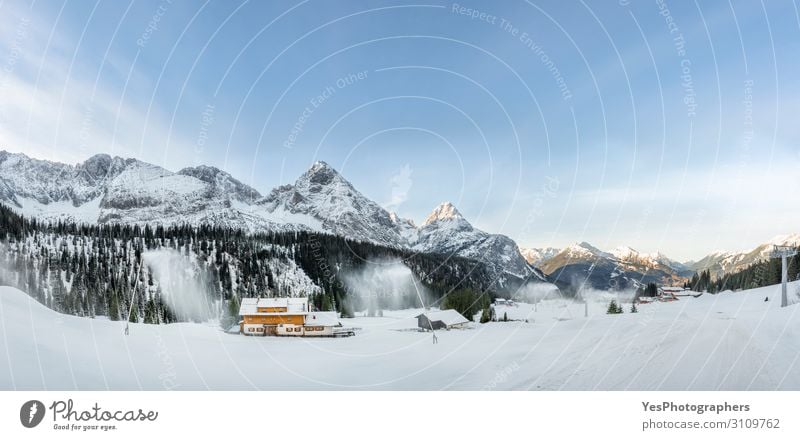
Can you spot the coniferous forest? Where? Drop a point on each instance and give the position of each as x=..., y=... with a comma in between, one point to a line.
x=760, y=274
x=103, y=270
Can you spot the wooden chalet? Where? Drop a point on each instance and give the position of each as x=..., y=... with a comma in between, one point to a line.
x=284, y=317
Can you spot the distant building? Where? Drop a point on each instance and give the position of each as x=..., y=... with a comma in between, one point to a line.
x=443, y=319
x=685, y=292
x=505, y=302
x=671, y=293
x=284, y=317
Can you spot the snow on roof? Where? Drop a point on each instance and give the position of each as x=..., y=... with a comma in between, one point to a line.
x=448, y=317
x=250, y=306
x=322, y=318
x=672, y=289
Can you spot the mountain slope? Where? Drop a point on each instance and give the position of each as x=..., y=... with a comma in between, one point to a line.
x=537, y=256
x=106, y=189
x=114, y=190
x=447, y=231
x=722, y=262
x=322, y=194
x=621, y=268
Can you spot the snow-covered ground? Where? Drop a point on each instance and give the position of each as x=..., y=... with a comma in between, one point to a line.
x=730, y=341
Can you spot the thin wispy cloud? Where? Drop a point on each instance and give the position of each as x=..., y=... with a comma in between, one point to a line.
x=54, y=106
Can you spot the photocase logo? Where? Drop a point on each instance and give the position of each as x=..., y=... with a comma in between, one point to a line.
x=31, y=413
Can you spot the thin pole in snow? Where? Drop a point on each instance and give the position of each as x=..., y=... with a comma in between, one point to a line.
x=585, y=305
x=784, y=252
x=421, y=301
x=784, y=276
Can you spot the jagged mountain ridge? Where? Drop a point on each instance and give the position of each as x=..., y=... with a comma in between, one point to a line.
x=537, y=256
x=723, y=262
x=621, y=268
x=106, y=189
x=576, y=260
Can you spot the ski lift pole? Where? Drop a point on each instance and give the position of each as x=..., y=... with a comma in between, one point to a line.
x=784, y=252
x=585, y=304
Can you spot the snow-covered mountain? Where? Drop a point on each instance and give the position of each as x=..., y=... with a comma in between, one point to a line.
x=657, y=260
x=106, y=189
x=722, y=262
x=537, y=256
x=114, y=190
x=446, y=231
x=322, y=199
x=322, y=195
x=621, y=267
x=574, y=261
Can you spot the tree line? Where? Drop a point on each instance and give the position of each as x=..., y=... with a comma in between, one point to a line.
x=762, y=273
x=100, y=270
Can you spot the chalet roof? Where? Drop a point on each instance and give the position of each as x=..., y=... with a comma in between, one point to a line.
x=447, y=317
x=249, y=306
x=322, y=318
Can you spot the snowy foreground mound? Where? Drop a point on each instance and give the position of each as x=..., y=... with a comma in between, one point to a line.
x=730, y=341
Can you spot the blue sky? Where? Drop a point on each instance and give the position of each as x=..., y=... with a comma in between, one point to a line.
x=664, y=126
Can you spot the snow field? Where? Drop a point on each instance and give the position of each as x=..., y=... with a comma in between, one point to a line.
x=730, y=341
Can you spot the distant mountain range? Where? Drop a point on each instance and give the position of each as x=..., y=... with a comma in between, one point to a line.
x=110, y=190
x=620, y=268
x=626, y=267
x=722, y=262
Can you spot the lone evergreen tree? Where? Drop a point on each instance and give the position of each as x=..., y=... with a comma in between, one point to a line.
x=134, y=316
x=231, y=313
x=113, y=308
x=486, y=315
x=614, y=308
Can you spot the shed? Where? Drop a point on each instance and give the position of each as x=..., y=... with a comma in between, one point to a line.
x=435, y=320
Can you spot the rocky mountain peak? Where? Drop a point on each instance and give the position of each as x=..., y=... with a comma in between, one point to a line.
x=537, y=256
x=222, y=181
x=319, y=165
x=444, y=212
x=5, y=155
x=99, y=165
x=625, y=252
x=320, y=173
x=400, y=220
x=586, y=247
x=98, y=160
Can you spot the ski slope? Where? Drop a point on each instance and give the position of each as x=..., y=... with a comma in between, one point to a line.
x=730, y=341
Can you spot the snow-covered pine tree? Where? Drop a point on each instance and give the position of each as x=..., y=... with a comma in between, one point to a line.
x=113, y=307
